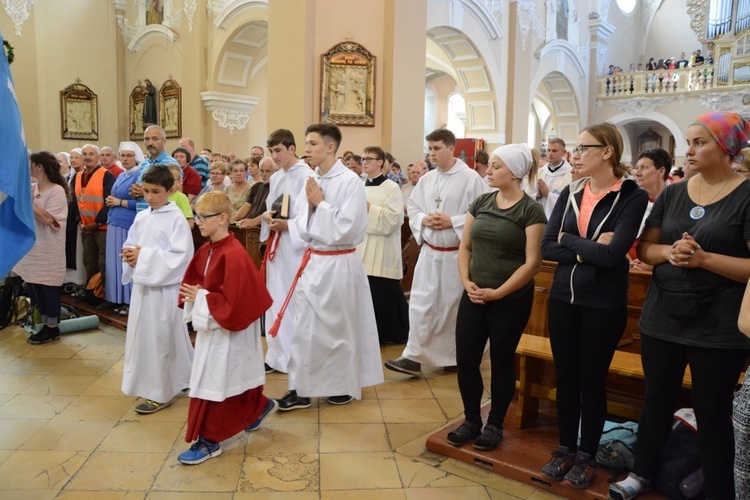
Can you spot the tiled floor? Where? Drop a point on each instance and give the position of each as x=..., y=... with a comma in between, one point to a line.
x=66, y=431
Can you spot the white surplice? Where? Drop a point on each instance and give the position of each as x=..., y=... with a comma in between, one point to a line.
x=436, y=289
x=158, y=353
x=334, y=349
x=226, y=363
x=381, y=249
x=280, y=272
x=556, y=181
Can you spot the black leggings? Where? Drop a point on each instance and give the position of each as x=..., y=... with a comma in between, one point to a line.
x=583, y=342
x=715, y=373
x=502, y=322
x=48, y=302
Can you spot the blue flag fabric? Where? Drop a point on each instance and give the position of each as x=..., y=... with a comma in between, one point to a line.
x=17, y=233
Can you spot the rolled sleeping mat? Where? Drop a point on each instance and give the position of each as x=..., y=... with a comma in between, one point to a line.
x=79, y=324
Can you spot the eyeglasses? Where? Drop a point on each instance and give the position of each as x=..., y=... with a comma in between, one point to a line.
x=124, y=155
x=202, y=218
x=366, y=159
x=579, y=150
x=740, y=171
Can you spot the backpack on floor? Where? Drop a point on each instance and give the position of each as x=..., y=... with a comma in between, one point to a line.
x=11, y=290
x=617, y=445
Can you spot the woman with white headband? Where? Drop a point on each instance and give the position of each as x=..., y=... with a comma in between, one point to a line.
x=499, y=255
x=121, y=215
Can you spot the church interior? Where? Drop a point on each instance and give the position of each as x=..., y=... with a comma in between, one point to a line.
x=227, y=73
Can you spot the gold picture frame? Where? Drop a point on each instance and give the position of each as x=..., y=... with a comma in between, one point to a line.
x=170, y=108
x=137, y=101
x=347, y=89
x=79, y=112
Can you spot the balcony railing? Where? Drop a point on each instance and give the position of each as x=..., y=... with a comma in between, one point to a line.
x=660, y=82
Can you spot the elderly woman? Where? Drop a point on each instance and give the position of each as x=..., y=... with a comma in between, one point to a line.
x=239, y=189
x=651, y=173
x=217, y=173
x=499, y=255
x=43, y=267
x=191, y=179
x=697, y=239
x=592, y=226
x=63, y=159
x=381, y=250
x=121, y=215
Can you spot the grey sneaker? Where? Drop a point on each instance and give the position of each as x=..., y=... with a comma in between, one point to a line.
x=582, y=472
x=560, y=464
x=404, y=365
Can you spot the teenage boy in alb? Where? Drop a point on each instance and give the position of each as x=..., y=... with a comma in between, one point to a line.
x=437, y=211
x=284, y=250
x=334, y=349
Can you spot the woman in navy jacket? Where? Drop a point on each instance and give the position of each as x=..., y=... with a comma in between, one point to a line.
x=594, y=223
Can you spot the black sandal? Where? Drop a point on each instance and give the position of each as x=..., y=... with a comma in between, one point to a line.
x=465, y=433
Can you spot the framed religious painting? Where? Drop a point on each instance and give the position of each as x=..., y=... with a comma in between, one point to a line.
x=347, y=88
x=79, y=110
x=137, y=102
x=170, y=108
x=648, y=140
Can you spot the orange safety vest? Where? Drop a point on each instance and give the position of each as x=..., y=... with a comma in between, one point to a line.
x=91, y=198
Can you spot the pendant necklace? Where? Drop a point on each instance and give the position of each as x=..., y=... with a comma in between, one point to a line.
x=698, y=211
x=440, y=187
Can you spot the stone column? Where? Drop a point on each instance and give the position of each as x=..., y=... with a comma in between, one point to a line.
x=600, y=31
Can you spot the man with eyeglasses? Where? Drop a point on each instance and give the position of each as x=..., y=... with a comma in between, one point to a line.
x=284, y=249
x=552, y=177
x=437, y=211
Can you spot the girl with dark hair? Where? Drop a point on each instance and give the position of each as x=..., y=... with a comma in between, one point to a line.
x=43, y=267
x=592, y=226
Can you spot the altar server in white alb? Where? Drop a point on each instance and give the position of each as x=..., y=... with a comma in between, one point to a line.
x=158, y=352
x=284, y=250
x=551, y=178
x=437, y=212
x=334, y=349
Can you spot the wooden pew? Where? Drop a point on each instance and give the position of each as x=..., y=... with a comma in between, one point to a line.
x=249, y=237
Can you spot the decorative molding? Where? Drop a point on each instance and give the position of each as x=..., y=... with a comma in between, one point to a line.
x=18, y=11
x=727, y=101
x=234, y=62
x=189, y=8
x=150, y=31
x=640, y=105
x=528, y=21
x=231, y=9
x=697, y=11
x=476, y=111
x=484, y=16
x=566, y=49
x=229, y=110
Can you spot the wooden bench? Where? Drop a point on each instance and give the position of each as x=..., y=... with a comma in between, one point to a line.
x=533, y=347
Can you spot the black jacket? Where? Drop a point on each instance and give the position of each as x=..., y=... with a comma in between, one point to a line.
x=589, y=273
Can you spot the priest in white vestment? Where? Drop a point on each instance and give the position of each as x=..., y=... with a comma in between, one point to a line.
x=552, y=178
x=437, y=212
x=284, y=251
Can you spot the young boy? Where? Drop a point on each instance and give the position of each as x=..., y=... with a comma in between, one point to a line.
x=226, y=383
x=158, y=353
x=178, y=197
x=334, y=349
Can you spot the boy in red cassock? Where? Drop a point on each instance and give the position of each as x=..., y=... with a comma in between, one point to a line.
x=224, y=297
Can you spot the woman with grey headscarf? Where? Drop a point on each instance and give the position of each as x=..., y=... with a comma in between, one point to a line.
x=121, y=215
x=499, y=255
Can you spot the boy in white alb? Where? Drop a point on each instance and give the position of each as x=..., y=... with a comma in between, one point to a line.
x=284, y=250
x=334, y=349
x=158, y=352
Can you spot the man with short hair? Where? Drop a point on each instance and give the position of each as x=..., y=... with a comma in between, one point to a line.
x=354, y=163
x=284, y=250
x=682, y=62
x=699, y=59
x=437, y=212
x=387, y=169
x=551, y=178
x=197, y=161
x=481, y=163
x=257, y=153
x=92, y=187
x=416, y=173
x=108, y=160
x=155, y=140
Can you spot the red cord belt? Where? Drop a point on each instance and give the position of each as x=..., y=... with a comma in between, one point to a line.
x=440, y=249
x=305, y=259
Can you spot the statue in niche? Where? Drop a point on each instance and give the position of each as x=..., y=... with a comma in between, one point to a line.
x=562, y=20
x=154, y=12
x=149, y=106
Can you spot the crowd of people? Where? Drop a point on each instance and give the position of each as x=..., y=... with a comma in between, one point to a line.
x=695, y=60
x=328, y=291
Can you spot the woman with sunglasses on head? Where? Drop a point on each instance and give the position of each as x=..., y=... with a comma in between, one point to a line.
x=697, y=239
x=594, y=223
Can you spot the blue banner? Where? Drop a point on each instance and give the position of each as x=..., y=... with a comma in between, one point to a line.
x=17, y=233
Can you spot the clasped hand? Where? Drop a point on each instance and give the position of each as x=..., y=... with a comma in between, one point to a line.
x=437, y=220
x=480, y=295
x=686, y=252
x=130, y=255
x=189, y=292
